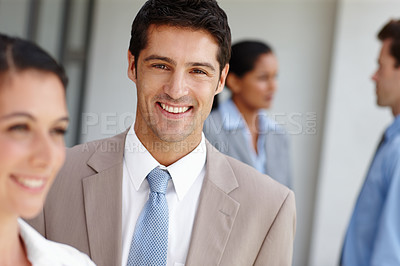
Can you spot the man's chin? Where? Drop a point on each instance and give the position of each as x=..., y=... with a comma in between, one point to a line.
x=172, y=137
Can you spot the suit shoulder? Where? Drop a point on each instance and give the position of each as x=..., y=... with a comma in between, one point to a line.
x=85, y=150
x=259, y=185
x=81, y=153
x=77, y=157
x=261, y=198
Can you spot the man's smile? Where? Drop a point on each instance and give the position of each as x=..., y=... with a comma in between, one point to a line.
x=174, y=109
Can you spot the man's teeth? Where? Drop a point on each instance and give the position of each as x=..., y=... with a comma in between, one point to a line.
x=31, y=183
x=175, y=110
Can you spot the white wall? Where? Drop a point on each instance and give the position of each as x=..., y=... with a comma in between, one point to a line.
x=111, y=96
x=10, y=9
x=353, y=123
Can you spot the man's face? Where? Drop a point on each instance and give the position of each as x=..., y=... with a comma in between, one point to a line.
x=177, y=76
x=387, y=79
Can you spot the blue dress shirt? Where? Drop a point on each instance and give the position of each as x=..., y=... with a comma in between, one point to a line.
x=373, y=236
x=235, y=121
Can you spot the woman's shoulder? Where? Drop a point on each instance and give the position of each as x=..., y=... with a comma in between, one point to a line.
x=44, y=252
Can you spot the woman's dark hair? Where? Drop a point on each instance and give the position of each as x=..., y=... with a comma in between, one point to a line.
x=17, y=55
x=392, y=31
x=244, y=56
x=194, y=14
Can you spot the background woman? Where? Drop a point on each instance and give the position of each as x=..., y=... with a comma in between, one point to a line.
x=239, y=127
x=33, y=120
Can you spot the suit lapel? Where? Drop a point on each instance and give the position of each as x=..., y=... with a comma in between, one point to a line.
x=216, y=212
x=103, y=201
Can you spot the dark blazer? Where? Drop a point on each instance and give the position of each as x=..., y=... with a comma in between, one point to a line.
x=243, y=217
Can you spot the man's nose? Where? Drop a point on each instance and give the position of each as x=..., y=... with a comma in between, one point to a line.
x=177, y=85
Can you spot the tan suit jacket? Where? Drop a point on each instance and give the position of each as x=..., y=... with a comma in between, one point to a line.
x=243, y=217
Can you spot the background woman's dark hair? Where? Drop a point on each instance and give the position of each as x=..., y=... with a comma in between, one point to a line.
x=392, y=31
x=245, y=54
x=17, y=55
x=195, y=14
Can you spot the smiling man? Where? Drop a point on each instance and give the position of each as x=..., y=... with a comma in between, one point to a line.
x=168, y=197
x=176, y=75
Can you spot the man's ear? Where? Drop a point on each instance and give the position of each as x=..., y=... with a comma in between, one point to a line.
x=221, y=82
x=131, y=67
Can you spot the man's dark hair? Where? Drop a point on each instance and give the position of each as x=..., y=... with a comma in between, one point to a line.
x=392, y=31
x=245, y=55
x=18, y=55
x=194, y=14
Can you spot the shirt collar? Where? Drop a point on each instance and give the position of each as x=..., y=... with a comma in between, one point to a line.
x=36, y=247
x=393, y=129
x=183, y=172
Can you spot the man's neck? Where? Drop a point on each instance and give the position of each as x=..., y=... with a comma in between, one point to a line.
x=167, y=153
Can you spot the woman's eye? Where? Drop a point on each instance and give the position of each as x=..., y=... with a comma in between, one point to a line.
x=19, y=128
x=59, y=131
x=268, y=77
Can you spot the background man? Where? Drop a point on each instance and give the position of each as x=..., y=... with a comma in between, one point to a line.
x=204, y=208
x=373, y=236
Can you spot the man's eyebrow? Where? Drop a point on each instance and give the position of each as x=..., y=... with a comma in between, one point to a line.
x=162, y=58
x=173, y=62
x=202, y=64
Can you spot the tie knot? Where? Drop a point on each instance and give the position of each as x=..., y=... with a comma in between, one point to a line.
x=158, y=180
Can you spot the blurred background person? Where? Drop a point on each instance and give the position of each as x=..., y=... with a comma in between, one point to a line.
x=240, y=126
x=373, y=236
x=33, y=120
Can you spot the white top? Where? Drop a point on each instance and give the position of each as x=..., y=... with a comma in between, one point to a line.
x=182, y=195
x=43, y=252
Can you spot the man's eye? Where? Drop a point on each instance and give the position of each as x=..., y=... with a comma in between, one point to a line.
x=160, y=66
x=198, y=71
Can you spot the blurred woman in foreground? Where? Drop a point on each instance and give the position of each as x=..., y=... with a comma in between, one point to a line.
x=33, y=120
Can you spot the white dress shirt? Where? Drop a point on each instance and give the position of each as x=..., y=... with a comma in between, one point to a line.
x=182, y=195
x=43, y=252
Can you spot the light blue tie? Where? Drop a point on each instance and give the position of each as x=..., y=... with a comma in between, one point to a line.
x=150, y=239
